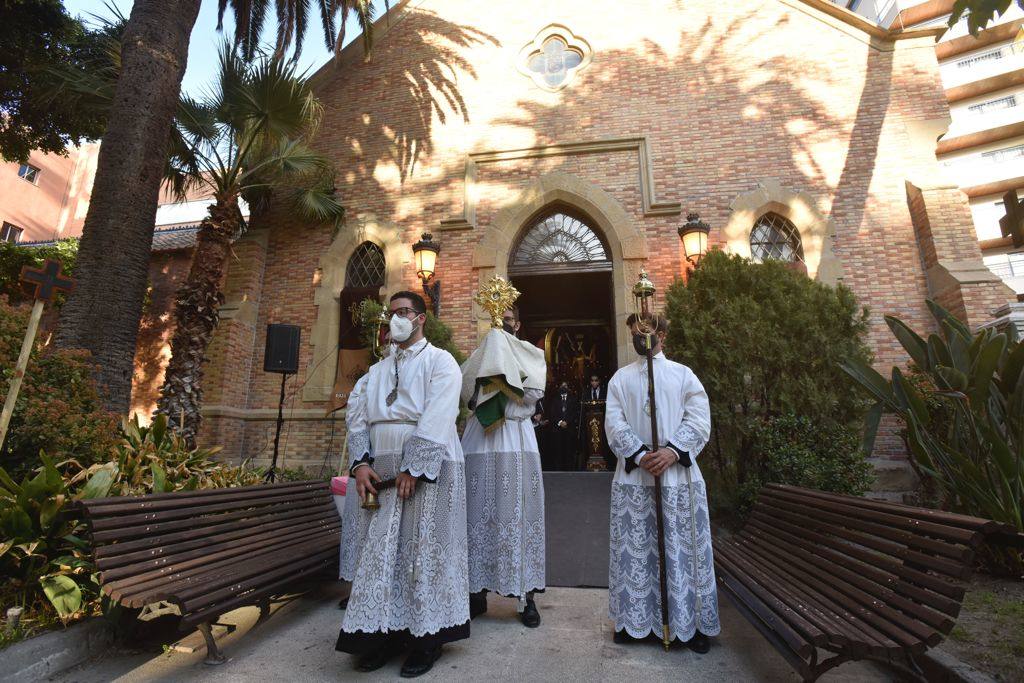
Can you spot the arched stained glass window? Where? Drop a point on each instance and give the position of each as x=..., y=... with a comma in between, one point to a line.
x=774, y=237
x=365, y=266
x=559, y=238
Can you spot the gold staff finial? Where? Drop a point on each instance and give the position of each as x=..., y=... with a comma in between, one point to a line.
x=496, y=297
x=643, y=298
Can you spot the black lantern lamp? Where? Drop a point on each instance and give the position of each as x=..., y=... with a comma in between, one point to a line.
x=425, y=253
x=694, y=235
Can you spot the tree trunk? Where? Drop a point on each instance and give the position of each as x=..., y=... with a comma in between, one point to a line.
x=102, y=314
x=196, y=314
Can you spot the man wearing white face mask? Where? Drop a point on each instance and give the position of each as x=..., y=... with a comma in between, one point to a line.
x=410, y=583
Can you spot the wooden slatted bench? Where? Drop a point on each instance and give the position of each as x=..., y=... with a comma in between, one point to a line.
x=200, y=554
x=822, y=573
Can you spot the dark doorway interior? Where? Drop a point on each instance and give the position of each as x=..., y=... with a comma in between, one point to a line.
x=567, y=312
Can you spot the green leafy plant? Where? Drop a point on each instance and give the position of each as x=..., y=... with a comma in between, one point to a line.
x=796, y=450
x=765, y=341
x=42, y=552
x=154, y=459
x=973, y=447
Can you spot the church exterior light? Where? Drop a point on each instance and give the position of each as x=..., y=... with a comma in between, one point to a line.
x=694, y=235
x=425, y=255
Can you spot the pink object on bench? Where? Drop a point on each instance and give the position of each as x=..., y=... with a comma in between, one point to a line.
x=339, y=485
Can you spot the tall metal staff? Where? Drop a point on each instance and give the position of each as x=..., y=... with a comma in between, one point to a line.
x=643, y=298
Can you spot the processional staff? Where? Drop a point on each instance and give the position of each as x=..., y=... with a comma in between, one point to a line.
x=643, y=299
x=45, y=283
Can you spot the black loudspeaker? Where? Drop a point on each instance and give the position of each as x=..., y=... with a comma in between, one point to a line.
x=282, y=352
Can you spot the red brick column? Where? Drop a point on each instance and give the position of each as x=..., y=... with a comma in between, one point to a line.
x=226, y=381
x=957, y=278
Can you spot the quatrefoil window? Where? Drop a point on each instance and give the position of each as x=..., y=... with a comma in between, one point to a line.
x=554, y=57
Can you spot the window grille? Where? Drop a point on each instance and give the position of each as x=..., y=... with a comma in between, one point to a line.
x=1007, y=102
x=990, y=56
x=1005, y=154
x=559, y=238
x=774, y=237
x=366, y=267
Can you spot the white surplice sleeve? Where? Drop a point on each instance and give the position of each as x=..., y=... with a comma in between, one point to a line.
x=357, y=425
x=427, y=447
x=694, y=429
x=625, y=443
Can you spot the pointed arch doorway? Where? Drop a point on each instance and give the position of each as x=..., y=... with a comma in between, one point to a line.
x=562, y=266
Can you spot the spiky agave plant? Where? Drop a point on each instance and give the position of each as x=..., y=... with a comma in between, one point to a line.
x=973, y=447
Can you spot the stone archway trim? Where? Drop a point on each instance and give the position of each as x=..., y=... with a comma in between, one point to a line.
x=626, y=243
x=327, y=297
x=817, y=234
x=651, y=205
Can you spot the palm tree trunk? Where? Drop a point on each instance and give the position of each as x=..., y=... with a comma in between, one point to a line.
x=102, y=314
x=196, y=314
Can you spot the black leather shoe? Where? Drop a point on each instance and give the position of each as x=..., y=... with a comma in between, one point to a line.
x=530, y=616
x=477, y=604
x=420, y=662
x=700, y=643
x=374, y=660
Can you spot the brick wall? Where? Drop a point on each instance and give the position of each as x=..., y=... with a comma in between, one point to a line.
x=726, y=94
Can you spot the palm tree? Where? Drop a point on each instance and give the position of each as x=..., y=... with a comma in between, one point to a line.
x=292, y=18
x=102, y=314
x=246, y=140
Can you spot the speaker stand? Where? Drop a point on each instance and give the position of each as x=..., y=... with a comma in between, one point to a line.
x=272, y=472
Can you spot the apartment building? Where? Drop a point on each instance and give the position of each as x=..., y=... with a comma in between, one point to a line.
x=983, y=150
x=47, y=197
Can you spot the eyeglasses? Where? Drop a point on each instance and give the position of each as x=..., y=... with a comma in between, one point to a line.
x=404, y=312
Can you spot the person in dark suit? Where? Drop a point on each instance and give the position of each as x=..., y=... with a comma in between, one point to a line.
x=595, y=390
x=563, y=415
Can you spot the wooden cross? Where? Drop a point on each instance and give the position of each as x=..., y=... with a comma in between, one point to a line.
x=44, y=282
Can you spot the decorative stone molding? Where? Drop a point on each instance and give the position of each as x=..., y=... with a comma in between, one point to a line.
x=323, y=337
x=268, y=414
x=627, y=245
x=539, y=50
x=651, y=206
x=816, y=232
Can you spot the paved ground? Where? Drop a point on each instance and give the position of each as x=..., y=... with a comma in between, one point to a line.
x=573, y=644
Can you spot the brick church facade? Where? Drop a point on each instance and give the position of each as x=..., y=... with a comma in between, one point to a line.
x=478, y=121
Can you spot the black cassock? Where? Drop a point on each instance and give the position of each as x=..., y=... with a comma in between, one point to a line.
x=563, y=442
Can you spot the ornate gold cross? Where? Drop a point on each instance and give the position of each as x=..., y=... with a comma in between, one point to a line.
x=496, y=297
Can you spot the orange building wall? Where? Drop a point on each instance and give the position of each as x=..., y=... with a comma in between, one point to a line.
x=55, y=207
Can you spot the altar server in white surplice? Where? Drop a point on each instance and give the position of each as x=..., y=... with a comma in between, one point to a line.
x=503, y=380
x=354, y=520
x=684, y=426
x=410, y=586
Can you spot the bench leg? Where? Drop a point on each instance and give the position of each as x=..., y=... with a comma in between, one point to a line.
x=264, y=610
x=213, y=655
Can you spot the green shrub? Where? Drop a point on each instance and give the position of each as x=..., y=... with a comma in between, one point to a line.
x=797, y=451
x=765, y=341
x=965, y=424
x=58, y=410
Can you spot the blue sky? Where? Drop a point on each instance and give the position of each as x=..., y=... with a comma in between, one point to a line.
x=202, y=52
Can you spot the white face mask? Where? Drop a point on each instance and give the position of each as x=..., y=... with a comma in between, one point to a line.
x=401, y=328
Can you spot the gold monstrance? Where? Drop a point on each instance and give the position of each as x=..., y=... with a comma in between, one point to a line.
x=496, y=297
